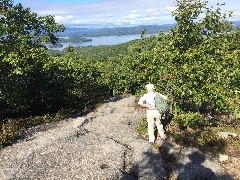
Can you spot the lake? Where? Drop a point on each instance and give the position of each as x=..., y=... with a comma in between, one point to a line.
x=102, y=40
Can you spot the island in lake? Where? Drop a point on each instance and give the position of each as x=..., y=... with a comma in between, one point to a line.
x=68, y=39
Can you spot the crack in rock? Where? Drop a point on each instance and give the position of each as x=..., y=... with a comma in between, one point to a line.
x=127, y=168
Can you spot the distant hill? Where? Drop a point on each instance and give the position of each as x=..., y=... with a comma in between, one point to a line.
x=118, y=31
x=236, y=23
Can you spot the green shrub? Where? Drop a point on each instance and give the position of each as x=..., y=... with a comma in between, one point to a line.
x=12, y=129
x=142, y=126
x=204, y=139
x=191, y=120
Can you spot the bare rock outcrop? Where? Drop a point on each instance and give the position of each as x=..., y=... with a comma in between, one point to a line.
x=102, y=145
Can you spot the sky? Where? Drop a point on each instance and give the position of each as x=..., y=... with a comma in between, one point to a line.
x=115, y=13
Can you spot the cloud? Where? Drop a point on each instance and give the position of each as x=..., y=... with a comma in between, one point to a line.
x=64, y=18
x=171, y=8
x=106, y=11
x=112, y=12
x=133, y=15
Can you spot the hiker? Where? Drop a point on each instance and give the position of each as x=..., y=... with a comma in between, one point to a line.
x=153, y=115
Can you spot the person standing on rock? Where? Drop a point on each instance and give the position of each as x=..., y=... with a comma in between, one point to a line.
x=153, y=115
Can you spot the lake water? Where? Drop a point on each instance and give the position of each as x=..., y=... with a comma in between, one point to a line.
x=102, y=40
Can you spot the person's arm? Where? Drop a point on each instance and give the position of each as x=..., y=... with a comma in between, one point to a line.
x=142, y=102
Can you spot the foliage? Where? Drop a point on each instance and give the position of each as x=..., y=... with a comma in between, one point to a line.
x=136, y=68
x=32, y=82
x=142, y=126
x=191, y=120
x=204, y=139
x=95, y=53
x=103, y=52
x=196, y=62
x=85, y=87
x=206, y=54
x=14, y=129
x=22, y=55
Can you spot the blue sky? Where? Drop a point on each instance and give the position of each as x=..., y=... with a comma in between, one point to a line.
x=114, y=13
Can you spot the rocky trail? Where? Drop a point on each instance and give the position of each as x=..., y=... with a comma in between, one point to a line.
x=102, y=145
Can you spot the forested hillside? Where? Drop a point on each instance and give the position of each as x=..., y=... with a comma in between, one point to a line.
x=196, y=64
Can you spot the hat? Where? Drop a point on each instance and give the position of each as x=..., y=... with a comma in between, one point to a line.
x=149, y=86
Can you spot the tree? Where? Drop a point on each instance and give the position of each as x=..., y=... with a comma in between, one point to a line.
x=202, y=53
x=22, y=32
x=197, y=61
x=22, y=54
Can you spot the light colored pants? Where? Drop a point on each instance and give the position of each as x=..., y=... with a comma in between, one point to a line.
x=153, y=118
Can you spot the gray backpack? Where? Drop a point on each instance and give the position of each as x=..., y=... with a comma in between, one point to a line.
x=161, y=104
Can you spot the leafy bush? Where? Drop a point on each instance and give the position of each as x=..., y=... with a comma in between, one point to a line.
x=191, y=120
x=204, y=139
x=23, y=56
x=197, y=62
x=142, y=126
x=13, y=129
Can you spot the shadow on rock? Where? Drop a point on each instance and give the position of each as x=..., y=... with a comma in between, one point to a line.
x=114, y=99
x=150, y=167
x=196, y=168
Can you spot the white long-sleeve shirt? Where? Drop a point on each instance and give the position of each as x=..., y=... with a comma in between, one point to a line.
x=148, y=98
